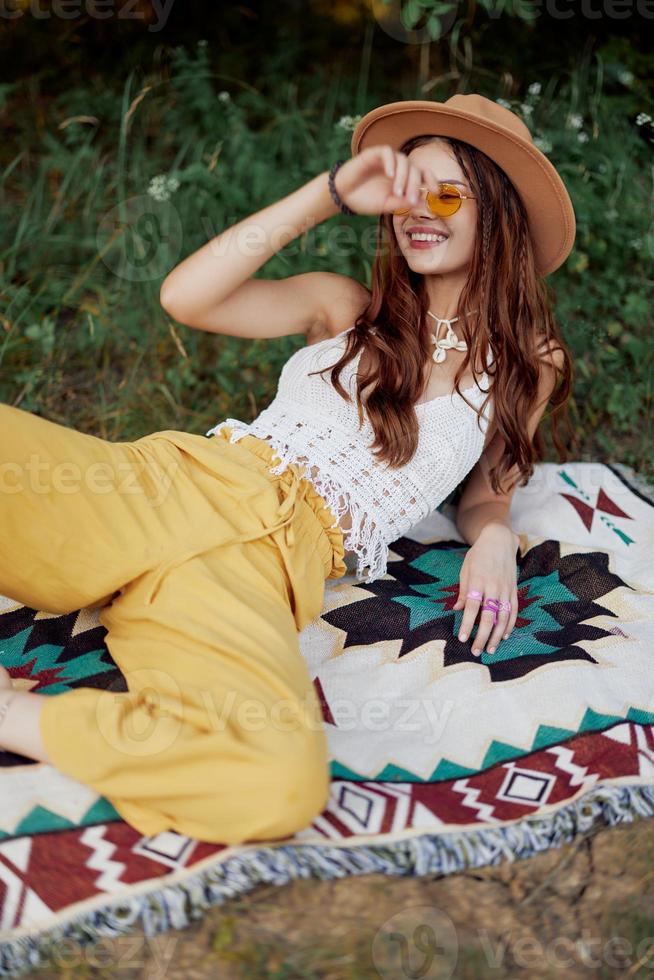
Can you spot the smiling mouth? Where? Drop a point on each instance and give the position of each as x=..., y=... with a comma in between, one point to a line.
x=425, y=240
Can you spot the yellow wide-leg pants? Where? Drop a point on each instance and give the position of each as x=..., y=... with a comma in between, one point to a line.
x=205, y=566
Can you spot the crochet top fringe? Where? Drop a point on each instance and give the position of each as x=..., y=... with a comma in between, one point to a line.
x=309, y=423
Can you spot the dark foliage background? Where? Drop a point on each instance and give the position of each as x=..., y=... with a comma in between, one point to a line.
x=130, y=140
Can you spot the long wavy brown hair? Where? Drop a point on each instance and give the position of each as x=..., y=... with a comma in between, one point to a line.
x=513, y=313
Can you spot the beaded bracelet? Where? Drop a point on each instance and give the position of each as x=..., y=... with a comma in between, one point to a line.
x=334, y=193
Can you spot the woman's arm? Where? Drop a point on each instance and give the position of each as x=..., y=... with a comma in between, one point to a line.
x=489, y=567
x=194, y=291
x=479, y=508
x=486, y=516
x=214, y=289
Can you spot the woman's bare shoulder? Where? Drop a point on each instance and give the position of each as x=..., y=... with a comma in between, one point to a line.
x=343, y=299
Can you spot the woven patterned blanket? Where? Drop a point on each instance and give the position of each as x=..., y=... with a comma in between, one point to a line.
x=439, y=760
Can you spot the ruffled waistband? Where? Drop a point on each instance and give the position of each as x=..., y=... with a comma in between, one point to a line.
x=295, y=487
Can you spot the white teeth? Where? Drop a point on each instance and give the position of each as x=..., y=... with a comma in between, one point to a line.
x=423, y=236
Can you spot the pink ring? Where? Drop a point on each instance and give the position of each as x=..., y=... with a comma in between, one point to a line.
x=492, y=606
x=473, y=594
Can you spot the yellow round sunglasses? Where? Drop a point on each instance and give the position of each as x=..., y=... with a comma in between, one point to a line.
x=446, y=202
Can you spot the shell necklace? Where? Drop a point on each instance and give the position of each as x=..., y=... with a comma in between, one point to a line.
x=449, y=342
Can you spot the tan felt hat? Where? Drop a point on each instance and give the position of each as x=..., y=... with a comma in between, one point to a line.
x=502, y=136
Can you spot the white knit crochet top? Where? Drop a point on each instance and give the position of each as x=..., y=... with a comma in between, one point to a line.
x=310, y=424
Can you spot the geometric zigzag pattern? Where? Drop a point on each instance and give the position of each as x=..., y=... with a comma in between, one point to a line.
x=109, y=859
x=424, y=738
x=569, y=607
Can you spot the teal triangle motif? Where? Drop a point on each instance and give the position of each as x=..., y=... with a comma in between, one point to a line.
x=593, y=721
x=549, y=735
x=43, y=821
x=84, y=666
x=640, y=717
x=100, y=811
x=500, y=752
x=46, y=657
x=622, y=534
x=39, y=821
x=446, y=769
x=546, y=736
x=339, y=771
x=13, y=647
x=567, y=478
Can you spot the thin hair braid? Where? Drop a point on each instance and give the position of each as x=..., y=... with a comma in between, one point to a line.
x=485, y=216
x=522, y=274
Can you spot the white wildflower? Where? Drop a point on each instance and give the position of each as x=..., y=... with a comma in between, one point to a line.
x=527, y=109
x=348, y=122
x=224, y=96
x=625, y=76
x=162, y=186
x=534, y=88
x=583, y=137
x=507, y=105
x=543, y=144
x=642, y=118
x=575, y=121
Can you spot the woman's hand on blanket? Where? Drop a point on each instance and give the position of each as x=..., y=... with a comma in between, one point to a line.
x=489, y=568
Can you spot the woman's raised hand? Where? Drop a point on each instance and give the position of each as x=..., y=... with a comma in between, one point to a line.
x=381, y=180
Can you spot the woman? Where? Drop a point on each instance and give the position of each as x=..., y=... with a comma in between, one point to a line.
x=209, y=555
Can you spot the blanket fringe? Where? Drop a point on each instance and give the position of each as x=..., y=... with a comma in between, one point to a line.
x=175, y=906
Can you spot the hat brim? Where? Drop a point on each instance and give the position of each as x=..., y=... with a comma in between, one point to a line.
x=550, y=213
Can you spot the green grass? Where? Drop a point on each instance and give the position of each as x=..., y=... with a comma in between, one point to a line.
x=84, y=245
